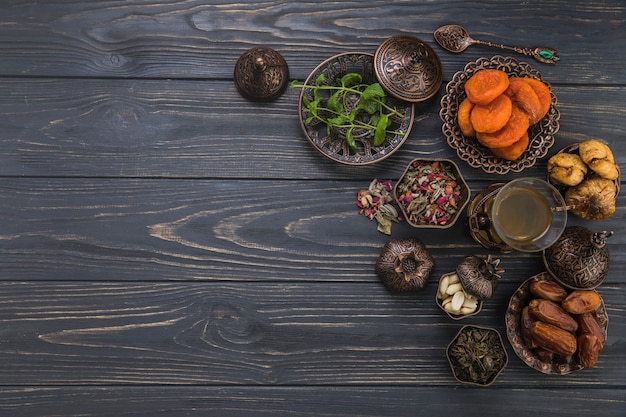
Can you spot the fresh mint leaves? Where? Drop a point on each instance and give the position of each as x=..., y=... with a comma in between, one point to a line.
x=334, y=106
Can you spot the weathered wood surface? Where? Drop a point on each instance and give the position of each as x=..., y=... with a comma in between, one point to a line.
x=170, y=248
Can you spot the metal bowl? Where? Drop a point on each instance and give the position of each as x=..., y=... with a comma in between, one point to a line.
x=468, y=149
x=519, y=299
x=439, y=165
x=450, y=314
x=333, y=144
x=498, y=347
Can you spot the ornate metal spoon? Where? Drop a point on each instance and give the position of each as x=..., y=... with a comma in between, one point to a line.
x=454, y=38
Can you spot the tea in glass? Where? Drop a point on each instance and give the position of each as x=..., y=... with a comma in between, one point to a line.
x=528, y=214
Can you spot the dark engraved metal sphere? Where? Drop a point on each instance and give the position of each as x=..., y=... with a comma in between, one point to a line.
x=404, y=265
x=579, y=259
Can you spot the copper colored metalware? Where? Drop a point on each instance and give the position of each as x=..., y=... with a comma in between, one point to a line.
x=261, y=74
x=479, y=220
x=468, y=149
x=512, y=318
x=333, y=144
x=408, y=68
x=580, y=259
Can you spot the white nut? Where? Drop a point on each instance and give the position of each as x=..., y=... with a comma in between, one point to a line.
x=467, y=310
x=453, y=279
x=457, y=301
x=446, y=301
x=454, y=288
x=449, y=309
x=470, y=303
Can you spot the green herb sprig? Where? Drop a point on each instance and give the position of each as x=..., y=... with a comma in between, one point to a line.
x=335, y=113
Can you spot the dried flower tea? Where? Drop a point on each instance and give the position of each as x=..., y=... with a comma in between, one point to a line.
x=377, y=204
x=430, y=193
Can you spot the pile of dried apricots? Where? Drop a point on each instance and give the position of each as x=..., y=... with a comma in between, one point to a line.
x=499, y=109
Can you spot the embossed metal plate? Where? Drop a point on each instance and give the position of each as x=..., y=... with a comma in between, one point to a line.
x=408, y=68
x=333, y=144
x=519, y=299
x=468, y=149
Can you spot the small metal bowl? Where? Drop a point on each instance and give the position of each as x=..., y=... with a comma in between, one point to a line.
x=463, y=374
x=453, y=316
x=437, y=166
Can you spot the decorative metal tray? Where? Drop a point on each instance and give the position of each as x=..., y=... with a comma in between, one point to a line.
x=518, y=300
x=333, y=144
x=468, y=149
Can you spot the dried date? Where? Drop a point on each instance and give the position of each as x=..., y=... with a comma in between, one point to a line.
x=548, y=290
x=587, y=323
x=552, y=313
x=589, y=348
x=553, y=338
x=581, y=302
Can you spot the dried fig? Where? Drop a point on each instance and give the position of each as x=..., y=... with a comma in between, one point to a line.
x=592, y=199
x=599, y=157
x=566, y=169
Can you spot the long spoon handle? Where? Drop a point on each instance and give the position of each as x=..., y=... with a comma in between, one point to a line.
x=541, y=54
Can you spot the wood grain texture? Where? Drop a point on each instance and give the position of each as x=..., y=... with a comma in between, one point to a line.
x=168, y=248
x=129, y=229
x=305, y=401
x=260, y=334
x=193, y=39
x=182, y=129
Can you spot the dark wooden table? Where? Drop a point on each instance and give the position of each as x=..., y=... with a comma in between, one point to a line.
x=169, y=248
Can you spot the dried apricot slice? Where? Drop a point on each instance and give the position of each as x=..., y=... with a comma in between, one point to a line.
x=485, y=85
x=465, y=123
x=543, y=94
x=493, y=116
x=524, y=96
x=509, y=134
x=514, y=151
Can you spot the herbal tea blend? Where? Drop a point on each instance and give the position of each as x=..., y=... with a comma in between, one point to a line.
x=430, y=192
x=477, y=355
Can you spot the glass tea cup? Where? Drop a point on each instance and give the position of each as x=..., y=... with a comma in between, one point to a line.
x=529, y=214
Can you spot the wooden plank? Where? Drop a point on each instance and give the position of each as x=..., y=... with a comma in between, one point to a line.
x=274, y=401
x=121, y=229
x=202, y=333
x=133, y=128
x=193, y=39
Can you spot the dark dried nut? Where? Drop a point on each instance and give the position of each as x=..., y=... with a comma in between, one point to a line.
x=553, y=338
x=589, y=348
x=552, y=313
x=587, y=323
x=581, y=302
x=549, y=290
x=525, y=322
